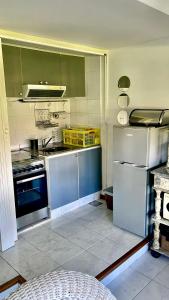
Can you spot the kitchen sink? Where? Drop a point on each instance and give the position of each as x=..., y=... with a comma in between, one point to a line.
x=56, y=149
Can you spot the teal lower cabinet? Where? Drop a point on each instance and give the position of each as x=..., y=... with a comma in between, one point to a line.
x=62, y=178
x=89, y=172
x=73, y=176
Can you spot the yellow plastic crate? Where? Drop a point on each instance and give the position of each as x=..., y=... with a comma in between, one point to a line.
x=83, y=137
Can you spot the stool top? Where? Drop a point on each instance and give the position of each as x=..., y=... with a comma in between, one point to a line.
x=62, y=285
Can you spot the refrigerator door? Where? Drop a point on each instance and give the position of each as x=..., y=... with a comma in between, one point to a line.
x=140, y=145
x=131, y=145
x=130, y=198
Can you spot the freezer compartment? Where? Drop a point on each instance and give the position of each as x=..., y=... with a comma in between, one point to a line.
x=140, y=145
x=131, y=198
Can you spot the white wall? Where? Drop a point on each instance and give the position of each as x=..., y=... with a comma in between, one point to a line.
x=148, y=70
x=8, y=232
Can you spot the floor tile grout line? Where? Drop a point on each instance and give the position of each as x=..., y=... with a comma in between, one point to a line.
x=161, y=270
x=72, y=257
x=67, y=239
x=43, y=252
x=142, y=289
x=155, y=275
x=9, y=264
x=141, y=273
x=32, y=245
x=102, y=259
x=160, y=283
x=83, y=250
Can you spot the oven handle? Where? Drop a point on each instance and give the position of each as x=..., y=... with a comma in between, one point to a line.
x=30, y=179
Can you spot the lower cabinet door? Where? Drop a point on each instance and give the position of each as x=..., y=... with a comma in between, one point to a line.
x=62, y=176
x=89, y=172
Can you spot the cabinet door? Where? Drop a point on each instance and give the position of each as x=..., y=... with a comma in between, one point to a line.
x=89, y=172
x=12, y=70
x=40, y=66
x=73, y=75
x=62, y=176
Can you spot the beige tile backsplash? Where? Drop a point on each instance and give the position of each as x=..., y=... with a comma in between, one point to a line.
x=22, y=121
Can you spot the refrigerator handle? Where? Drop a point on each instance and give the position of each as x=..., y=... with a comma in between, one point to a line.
x=118, y=162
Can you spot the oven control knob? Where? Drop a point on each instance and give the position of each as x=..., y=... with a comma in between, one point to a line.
x=40, y=166
x=28, y=168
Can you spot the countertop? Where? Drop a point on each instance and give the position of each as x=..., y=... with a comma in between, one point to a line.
x=162, y=171
x=41, y=153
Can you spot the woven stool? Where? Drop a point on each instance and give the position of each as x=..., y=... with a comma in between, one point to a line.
x=62, y=285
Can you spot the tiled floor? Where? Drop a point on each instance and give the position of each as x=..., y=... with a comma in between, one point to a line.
x=147, y=278
x=83, y=240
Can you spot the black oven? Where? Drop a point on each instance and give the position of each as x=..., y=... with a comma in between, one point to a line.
x=31, y=199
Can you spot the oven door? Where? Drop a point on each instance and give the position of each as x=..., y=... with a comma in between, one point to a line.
x=30, y=193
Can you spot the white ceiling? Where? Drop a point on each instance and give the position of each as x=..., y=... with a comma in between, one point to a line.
x=98, y=23
x=162, y=5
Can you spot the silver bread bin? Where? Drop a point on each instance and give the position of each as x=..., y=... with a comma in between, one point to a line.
x=149, y=117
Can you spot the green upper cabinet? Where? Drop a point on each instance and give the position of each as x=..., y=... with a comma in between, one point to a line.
x=12, y=70
x=27, y=66
x=73, y=75
x=40, y=66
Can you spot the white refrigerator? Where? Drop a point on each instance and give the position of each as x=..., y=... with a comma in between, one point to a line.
x=136, y=151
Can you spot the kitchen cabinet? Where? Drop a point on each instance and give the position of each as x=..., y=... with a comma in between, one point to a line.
x=23, y=65
x=40, y=66
x=12, y=70
x=62, y=178
x=73, y=176
x=89, y=172
x=73, y=75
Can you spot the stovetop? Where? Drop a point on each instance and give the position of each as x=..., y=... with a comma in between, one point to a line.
x=24, y=163
x=21, y=155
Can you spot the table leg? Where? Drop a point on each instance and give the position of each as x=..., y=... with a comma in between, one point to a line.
x=156, y=243
x=157, y=205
